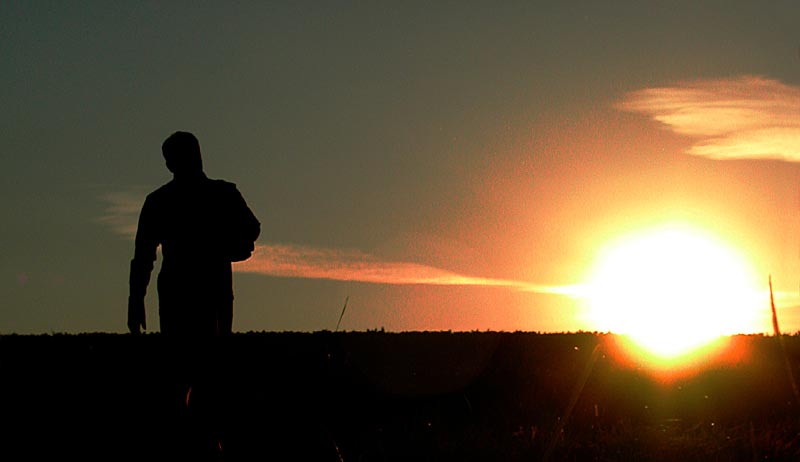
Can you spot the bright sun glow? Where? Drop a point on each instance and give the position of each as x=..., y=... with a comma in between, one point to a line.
x=672, y=290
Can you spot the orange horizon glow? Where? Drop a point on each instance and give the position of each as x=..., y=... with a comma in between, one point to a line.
x=722, y=350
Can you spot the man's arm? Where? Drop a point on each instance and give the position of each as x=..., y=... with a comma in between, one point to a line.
x=141, y=266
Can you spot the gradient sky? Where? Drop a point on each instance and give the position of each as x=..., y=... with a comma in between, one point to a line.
x=447, y=166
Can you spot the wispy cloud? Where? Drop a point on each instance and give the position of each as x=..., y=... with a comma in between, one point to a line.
x=305, y=262
x=748, y=117
x=121, y=213
x=352, y=265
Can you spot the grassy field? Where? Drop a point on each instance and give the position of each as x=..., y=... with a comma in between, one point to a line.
x=381, y=396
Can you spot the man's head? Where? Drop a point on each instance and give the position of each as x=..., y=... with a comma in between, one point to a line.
x=182, y=153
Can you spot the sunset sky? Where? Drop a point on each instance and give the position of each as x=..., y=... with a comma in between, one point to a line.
x=445, y=165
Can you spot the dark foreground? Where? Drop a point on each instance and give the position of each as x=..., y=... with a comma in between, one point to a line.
x=378, y=396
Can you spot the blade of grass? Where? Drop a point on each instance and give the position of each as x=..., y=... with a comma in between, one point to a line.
x=777, y=332
x=342, y=315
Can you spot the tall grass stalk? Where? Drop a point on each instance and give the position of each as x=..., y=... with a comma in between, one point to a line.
x=342, y=315
x=777, y=331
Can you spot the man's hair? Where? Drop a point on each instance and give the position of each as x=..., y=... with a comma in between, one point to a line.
x=182, y=153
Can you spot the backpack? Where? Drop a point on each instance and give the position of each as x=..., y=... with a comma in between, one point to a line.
x=241, y=226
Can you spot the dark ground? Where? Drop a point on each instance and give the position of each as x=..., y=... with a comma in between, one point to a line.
x=378, y=396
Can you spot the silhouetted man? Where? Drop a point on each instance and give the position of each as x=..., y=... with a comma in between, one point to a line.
x=202, y=225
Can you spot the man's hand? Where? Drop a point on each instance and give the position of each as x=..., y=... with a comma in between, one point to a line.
x=136, y=316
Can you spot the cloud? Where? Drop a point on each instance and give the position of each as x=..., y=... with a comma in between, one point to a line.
x=304, y=262
x=122, y=212
x=351, y=265
x=748, y=117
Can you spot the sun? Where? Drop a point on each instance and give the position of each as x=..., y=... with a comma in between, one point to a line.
x=671, y=290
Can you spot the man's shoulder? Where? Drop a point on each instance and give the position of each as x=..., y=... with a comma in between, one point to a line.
x=223, y=184
x=172, y=189
x=223, y=187
x=161, y=191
